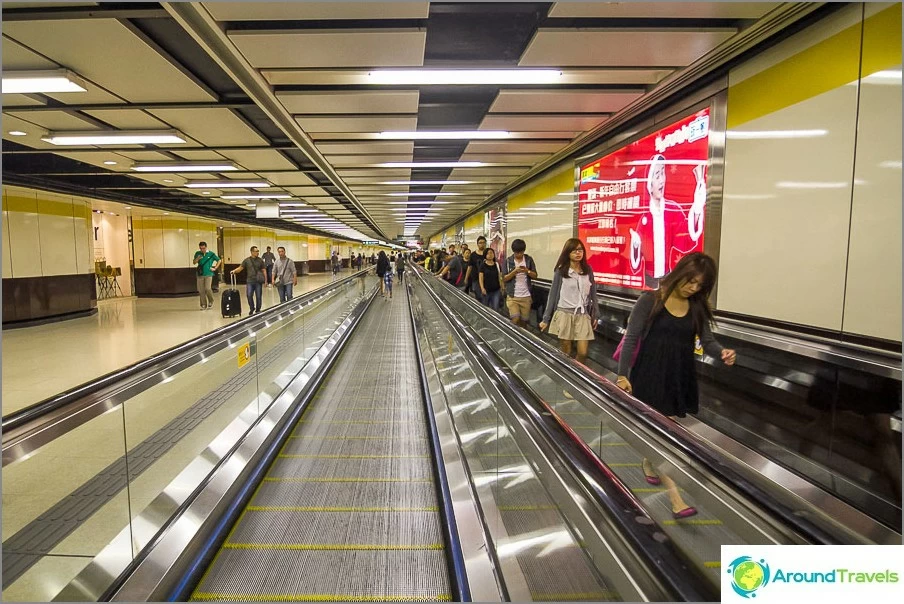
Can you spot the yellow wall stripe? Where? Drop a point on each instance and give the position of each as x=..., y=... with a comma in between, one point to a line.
x=230, y=597
x=827, y=65
x=549, y=189
x=474, y=222
x=323, y=547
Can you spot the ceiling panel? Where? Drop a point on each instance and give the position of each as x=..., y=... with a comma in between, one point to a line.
x=127, y=119
x=212, y=127
x=367, y=147
x=17, y=56
x=285, y=179
x=32, y=136
x=333, y=48
x=713, y=10
x=343, y=161
x=312, y=192
x=614, y=48
x=260, y=159
x=578, y=123
x=97, y=158
x=203, y=155
x=55, y=120
x=374, y=135
x=84, y=45
x=477, y=173
x=251, y=11
x=513, y=147
x=19, y=100
x=376, y=101
x=357, y=124
x=93, y=95
x=562, y=101
x=382, y=173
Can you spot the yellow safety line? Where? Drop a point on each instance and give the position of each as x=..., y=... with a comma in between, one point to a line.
x=346, y=479
x=565, y=597
x=203, y=595
x=332, y=546
x=650, y=490
x=526, y=508
x=715, y=564
x=336, y=456
x=291, y=508
x=698, y=521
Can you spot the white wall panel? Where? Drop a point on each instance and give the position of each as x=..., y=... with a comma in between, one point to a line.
x=24, y=234
x=786, y=211
x=56, y=236
x=81, y=228
x=873, y=295
x=138, y=241
x=175, y=243
x=153, y=242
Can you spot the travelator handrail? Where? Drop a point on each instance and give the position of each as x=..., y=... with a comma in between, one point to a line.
x=851, y=355
x=677, y=436
x=38, y=424
x=677, y=579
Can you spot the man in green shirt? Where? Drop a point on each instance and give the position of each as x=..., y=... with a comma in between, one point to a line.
x=207, y=263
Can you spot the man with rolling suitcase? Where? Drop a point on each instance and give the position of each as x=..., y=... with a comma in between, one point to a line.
x=255, y=276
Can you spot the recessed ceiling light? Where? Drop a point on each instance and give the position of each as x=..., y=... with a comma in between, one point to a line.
x=121, y=137
x=227, y=184
x=52, y=80
x=166, y=213
x=17, y=133
x=205, y=192
x=128, y=207
x=431, y=164
x=167, y=180
x=262, y=196
x=109, y=162
x=444, y=135
x=464, y=76
x=201, y=166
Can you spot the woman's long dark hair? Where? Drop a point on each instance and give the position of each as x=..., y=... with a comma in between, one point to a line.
x=564, y=261
x=693, y=265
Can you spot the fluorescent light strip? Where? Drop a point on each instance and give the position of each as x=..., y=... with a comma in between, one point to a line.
x=184, y=167
x=432, y=164
x=417, y=203
x=464, y=76
x=427, y=182
x=226, y=184
x=262, y=196
x=124, y=137
x=52, y=80
x=444, y=134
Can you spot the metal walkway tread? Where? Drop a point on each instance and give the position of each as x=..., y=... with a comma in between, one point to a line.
x=348, y=510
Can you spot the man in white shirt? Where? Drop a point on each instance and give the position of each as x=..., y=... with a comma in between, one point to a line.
x=285, y=274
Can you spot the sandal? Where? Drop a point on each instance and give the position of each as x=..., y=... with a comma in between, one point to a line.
x=685, y=513
x=651, y=478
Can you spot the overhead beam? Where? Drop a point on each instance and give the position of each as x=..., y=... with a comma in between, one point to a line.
x=111, y=10
x=201, y=25
x=58, y=106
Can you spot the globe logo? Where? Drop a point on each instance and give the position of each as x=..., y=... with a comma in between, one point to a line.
x=748, y=575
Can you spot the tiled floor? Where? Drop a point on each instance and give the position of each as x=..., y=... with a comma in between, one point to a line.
x=41, y=361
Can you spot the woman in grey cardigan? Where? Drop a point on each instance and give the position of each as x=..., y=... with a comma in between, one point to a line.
x=665, y=324
x=572, y=301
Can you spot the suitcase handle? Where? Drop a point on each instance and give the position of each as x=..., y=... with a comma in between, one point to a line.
x=232, y=278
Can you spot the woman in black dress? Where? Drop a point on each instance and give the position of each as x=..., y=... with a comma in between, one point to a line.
x=665, y=324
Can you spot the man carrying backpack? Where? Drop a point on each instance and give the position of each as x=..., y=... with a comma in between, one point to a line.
x=519, y=270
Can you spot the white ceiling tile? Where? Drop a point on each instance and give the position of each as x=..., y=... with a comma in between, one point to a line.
x=85, y=45
x=332, y=48
x=55, y=120
x=368, y=101
x=287, y=179
x=128, y=119
x=562, y=101
x=202, y=155
x=32, y=136
x=17, y=56
x=260, y=159
x=140, y=155
x=312, y=192
x=578, y=123
x=344, y=161
x=97, y=158
x=613, y=48
x=357, y=124
x=683, y=10
x=513, y=146
x=367, y=148
x=275, y=11
x=19, y=100
x=477, y=173
x=212, y=127
x=382, y=173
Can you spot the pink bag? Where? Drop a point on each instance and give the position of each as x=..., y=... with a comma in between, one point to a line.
x=618, y=350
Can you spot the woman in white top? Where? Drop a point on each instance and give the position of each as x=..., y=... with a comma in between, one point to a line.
x=572, y=298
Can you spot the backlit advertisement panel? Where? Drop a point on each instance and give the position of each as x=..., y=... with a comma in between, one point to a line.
x=641, y=208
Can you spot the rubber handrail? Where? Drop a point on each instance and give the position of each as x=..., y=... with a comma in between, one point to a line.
x=33, y=412
x=663, y=560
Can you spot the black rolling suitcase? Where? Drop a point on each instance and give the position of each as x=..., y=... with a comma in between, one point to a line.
x=231, y=301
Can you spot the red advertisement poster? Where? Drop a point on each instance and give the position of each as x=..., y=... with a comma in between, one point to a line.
x=641, y=208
